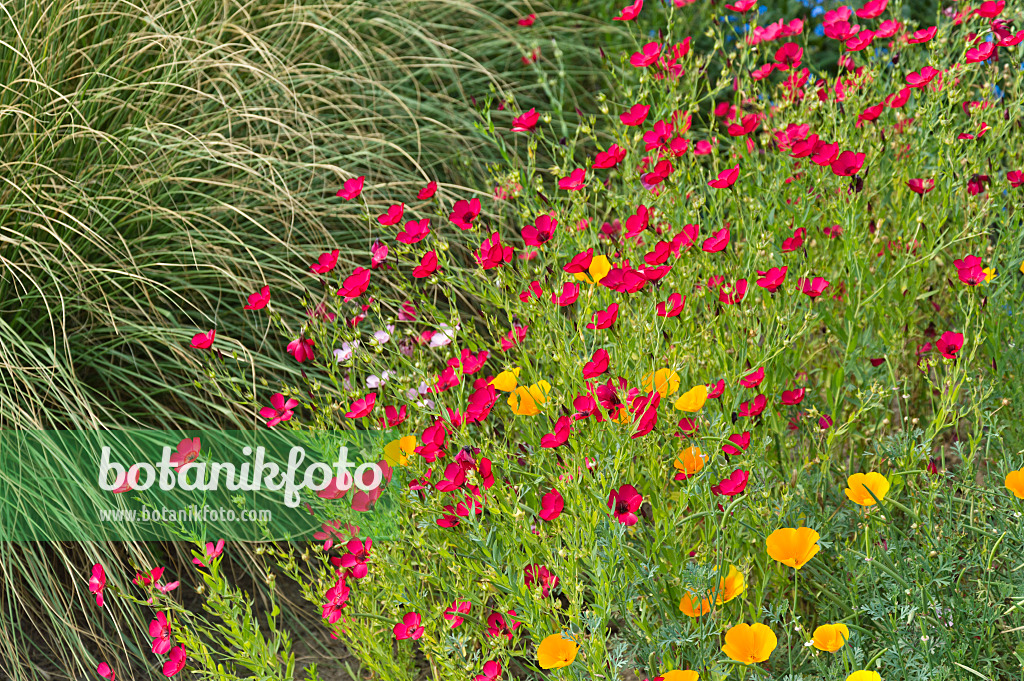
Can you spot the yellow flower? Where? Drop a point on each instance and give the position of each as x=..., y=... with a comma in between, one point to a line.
x=830, y=637
x=693, y=399
x=691, y=608
x=506, y=381
x=864, y=675
x=397, y=452
x=665, y=381
x=793, y=546
x=730, y=586
x=749, y=643
x=622, y=415
x=990, y=274
x=524, y=401
x=599, y=268
x=679, y=675
x=858, y=484
x=1022, y=267
x=1015, y=483
x=556, y=651
x=690, y=461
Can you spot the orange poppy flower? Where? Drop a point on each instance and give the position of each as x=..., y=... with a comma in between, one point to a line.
x=556, y=651
x=679, y=675
x=691, y=608
x=864, y=675
x=525, y=400
x=693, y=399
x=730, y=586
x=1015, y=483
x=665, y=381
x=858, y=484
x=830, y=637
x=749, y=643
x=793, y=546
x=690, y=461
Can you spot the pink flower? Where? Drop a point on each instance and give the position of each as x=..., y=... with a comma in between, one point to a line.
x=325, y=263
x=636, y=115
x=427, y=266
x=813, y=287
x=754, y=379
x=597, y=365
x=647, y=55
x=772, y=279
x=453, y=612
x=574, y=181
x=203, y=341
x=186, y=452
x=355, y=284
x=491, y=670
x=352, y=188
x=464, y=212
x=525, y=122
x=176, y=662
x=279, y=411
x=211, y=552
x=949, y=344
x=624, y=503
x=717, y=242
x=258, y=300
x=969, y=270
x=726, y=178
x=428, y=191
x=733, y=485
x=105, y=671
x=393, y=215
x=673, y=306
x=414, y=231
x=409, y=627
x=630, y=12
x=738, y=443
x=160, y=630
x=604, y=319
x=362, y=407
x=552, y=503
x=570, y=292
x=493, y=253
x=98, y=582
x=301, y=349
x=847, y=163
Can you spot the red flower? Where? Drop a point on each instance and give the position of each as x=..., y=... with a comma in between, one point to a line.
x=301, y=349
x=428, y=191
x=541, y=575
x=949, y=344
x=552, y=503
x=610, y=158
x=847, y=164
x=921, y=186
x=541, y=232
x=648, y=54
x=258, y=300
x=525, y=122
x=738, y=444
x=813, y=287
x=742, y=5
x=604, y=319
x=355, y=284
x=464, y=212
x=731, y=295
x=597, y=365
x=726, y=178
x=362, y=407
x=793, y=397
x=409, y=627
x=916, y=79
x=280, y=410
x=754, y=379
x=624, y=503
x=414, y=231
x=1015, y=178
x=981, y=53
x=636, y=115
x=527, y=21
x=872, y=9
x=733, y=485
x=393, y=216
x=574, y=181
x=716, y=242
x=492, y=254
x=203, y=341
x=716, y=390
x=630, y=12
x=352, y=188
x=497, y=626
x=673, y=306
x=754, y=407
x=378, y=254
x=772, y=279
x=457, y=608
x=427, y=266
x=794, y=242
x=325, y=263
x=969, y=270
x=570, y=292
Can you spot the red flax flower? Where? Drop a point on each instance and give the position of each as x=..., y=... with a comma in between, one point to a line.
x=355, y=284
x=540, y=232
x=793, y=397
x=362, y=407
x=457, y=608
x=813, y=287
x=772, y=279
x=258, y=300
x=733, y=485
x=414, y=231
x=610, y=158
x=847, y=164
x=427, y=266
x=325, y=263
x=673, y=306
x=551, y=505
x=738, y=443
x=636, y=115
x=570, y=292
x=597, y=365
x=525, y=122
x=574, y=181
x=630, y=12
x=352, y=188
x=203, y=341
x=726, y=178
x=716, y=242
x=969, y=270
x=464, y=212
x=428, y=191
x=604, y=319
x=393, y=216
x=539, y=574
x=647, y=55
x=492, y=253
x=949, y=344
x=753, y=379
x=409, y=627
x=280, y=410
x=560, y=436
x=625, y=502
x=921, y=186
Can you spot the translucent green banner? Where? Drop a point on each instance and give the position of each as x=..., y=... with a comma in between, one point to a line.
x=141, y=485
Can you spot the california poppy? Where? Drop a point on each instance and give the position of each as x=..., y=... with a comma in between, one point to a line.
x=690, y=606
x=859, y=484
x=730, y=586
x=793, y=546
x=556, y=651
x=749, y=643
x=830, y=637
x=1015, y=483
